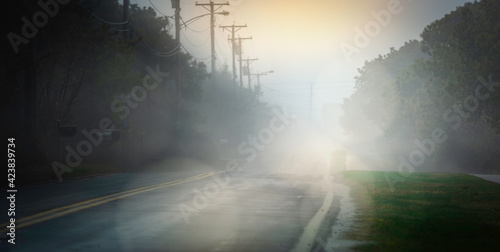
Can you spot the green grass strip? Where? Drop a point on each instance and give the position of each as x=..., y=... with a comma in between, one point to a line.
x=426, y=212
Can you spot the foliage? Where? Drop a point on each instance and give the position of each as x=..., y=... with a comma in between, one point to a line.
x=433, y=83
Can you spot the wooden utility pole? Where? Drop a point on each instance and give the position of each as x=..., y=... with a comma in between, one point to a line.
x=125, y=123
x=211, y=8
x=248, y=61
x=258, y=77
x=177, y=6
x=240, y=52
x=126, y=6
x=178, y=78
x=234, y=28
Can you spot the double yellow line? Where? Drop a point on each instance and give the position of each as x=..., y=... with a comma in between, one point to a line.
x=65, y=210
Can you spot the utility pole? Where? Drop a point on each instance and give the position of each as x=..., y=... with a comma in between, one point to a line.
x=212, y=9
x=248, y=61
x=260, y=74
x=126, y=5
x=234, y=28
x=240, y=52
x=178, y=110
x=125, y=123
x=258, y=77
x=177, y=6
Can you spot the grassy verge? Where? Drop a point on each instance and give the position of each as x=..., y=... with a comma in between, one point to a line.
x=429, y=211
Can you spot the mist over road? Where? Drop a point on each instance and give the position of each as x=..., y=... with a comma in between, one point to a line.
x=265, y=205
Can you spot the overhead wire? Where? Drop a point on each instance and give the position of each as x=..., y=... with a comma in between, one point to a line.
x=197, y=31
x=108, y=22
x=112, y=28
x=142, y=42
x=158, y=53
x=185, y=25
x=218, y=62
x=158, y=9
x=189, y=41
x=201, y=59
x=150, y=49
x=223, y=39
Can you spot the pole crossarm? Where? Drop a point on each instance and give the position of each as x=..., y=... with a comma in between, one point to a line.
x=211, y=5
x=234, y=28
x=248, y=61
x=212, y=8
x=261, y=74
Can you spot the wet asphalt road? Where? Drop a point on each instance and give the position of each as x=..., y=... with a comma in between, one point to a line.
x=260, y=206
x=492, y=178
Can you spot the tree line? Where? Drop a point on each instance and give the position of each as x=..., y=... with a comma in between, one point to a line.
x=83, y=63
x=449, y=79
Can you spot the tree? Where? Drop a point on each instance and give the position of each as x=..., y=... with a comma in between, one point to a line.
x=437, y=87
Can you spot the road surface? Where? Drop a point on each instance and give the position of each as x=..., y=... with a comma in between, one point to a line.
x=277, y=202
x=492, y=178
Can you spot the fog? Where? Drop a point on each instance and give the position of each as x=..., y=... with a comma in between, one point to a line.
x=362, y=75
x=250, y=125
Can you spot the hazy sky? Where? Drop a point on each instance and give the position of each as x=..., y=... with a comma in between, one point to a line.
x=301, y=40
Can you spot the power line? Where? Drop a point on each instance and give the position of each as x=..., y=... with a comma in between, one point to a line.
x=185, y=24
x=149, y=48
x=197, y=31
x=221, y=50
x=145, y=45
x=108, y=22
x=112, y=28
x=219, y=45
x=189, y=41
x=158, y=53
x=201, y=59
x=218, y=62
x=158, y=9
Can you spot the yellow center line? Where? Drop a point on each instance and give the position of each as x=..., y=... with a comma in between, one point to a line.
x=96, y=199
x=65, y=210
